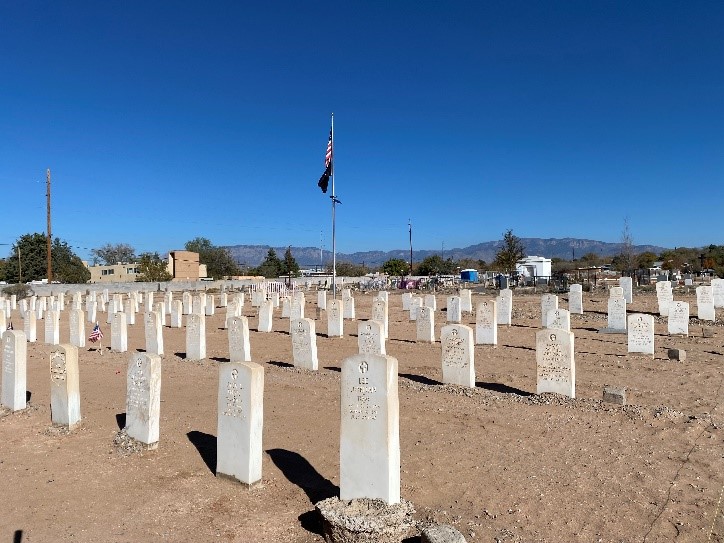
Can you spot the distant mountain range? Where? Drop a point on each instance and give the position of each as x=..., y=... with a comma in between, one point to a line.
x=567, y=248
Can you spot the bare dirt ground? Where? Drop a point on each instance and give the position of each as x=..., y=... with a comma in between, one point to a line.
x=498, y=462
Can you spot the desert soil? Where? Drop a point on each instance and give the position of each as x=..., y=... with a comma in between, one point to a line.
x=498, y=462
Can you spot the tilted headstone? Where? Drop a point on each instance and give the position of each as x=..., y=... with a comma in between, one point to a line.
x=717, y=288
x=641, y=333
x=430, y=301
x=556, y=366
x=30, y=327
x=458, y=365
x=454, y=313
x=240, y=411
x=369, y=451
x=143, y=397
x=559, y=319
x=348, y=308
x=239, y=346
x=547, y=302
x=304, y=344
x=15, y=356
x=322, y=300
x=617, y=314
x=678, y=322
x=176, y=314
x=77, y=327
x=370, y=338
x=504, y=301
x=425, y=325
x=575, y=299
x=119, y=333
x=195, y=337
x=415, y=305
x=466, y=300
x=64, y=386
x=486, y=323
x=705, y=304
x=153, y=330
x=52, y=327
x=335, y=322
x=266, y=316
x=380, y=314
x=626, y=284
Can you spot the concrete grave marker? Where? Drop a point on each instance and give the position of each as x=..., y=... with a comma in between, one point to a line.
x=369, y=451
x=240, y=411
x=304, y=344
x=195, y=337
x=556, y=367
x=641, y=334
x=486, y=323
x=458, y=366
x=239, y=346
x=15, y=356
x=678, y=322
x=370, y=338
x=65, y=387
x=143, y=397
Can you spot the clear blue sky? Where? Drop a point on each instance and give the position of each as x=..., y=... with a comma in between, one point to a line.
x=164, y=121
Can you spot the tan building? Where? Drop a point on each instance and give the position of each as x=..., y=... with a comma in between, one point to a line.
x=117, y=273
x=184, y=265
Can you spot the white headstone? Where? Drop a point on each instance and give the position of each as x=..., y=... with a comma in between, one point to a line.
x=559, y=319
x=30, y=327
x=348, y=308
x=240, y=411
x=717, y=288
x=575, y=299
x=119, y=333
x=286, y=307
x=547, y=302
x=369, y=451
x=615, y=292
x=223, y=299
x=406, y=297
x=266, y=316
x=335, y=322
x=167, y=300
x=128, y=308
x=176, y=314
x=92, y=312
x=458, y=366
x=380, y=314
x=454, y=312
x=153, y=330
x=160, y=308
x=15, y=356
x=143, y=397
x=425, y=324
x=556, y=367
x=383, y=295
x=195, y=337
x=505, y=306
x=210, y=305
x=641, y=333
x=705, y=304
x=322, y=300
x=617, y=314
x=466, y=300
x=678, y=322
x=664, y=297
x=64, y=386
x=431, y=301
x=239, y=346
x=415, y=304
x=52, y=327
x=304, y=344
x=77, y=327
x=370, y=338
x=187, y=303
x=626, y=283
x=486, y=323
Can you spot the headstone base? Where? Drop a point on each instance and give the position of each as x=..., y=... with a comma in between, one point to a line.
x=365, y=520
x=614, y=395
x=242, y=484
x=611, y=331
x=677, y=354
x=707, y=332
x=125, y=444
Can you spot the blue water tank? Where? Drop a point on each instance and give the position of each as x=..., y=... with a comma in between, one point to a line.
x=469, y=275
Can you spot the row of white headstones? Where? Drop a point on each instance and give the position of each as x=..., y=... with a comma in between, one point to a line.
x=369, y=392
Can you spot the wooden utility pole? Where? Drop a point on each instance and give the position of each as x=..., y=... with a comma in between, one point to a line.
x=50, y=236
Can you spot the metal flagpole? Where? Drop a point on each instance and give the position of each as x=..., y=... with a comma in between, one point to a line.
x=334, y=225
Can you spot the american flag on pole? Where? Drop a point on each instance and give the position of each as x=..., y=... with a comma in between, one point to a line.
x=324, y=180
x=96, y=334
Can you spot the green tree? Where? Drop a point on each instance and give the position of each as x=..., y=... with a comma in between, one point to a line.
x=29, y=256
x=272, y=266
x=348, y=269
x=395, y=267
x=152, y=268
x=218, y=260
x=435, y=265
x=110, y=254
x=510, y=253
x=289, y=265
x=646, y=260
